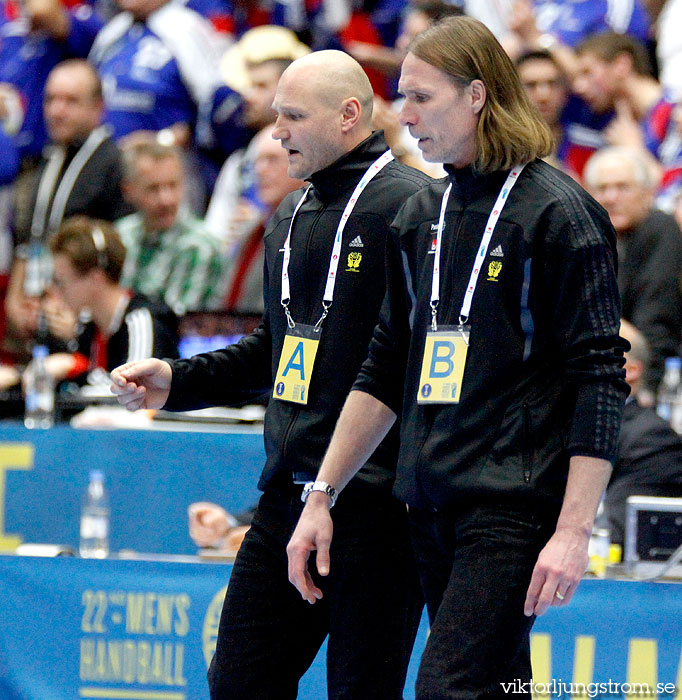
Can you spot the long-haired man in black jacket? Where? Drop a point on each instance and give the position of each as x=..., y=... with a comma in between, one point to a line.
x=498, y=347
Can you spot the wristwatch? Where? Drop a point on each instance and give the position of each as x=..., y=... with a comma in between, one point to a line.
x=319, y=486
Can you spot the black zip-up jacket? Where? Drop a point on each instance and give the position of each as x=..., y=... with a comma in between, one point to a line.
x=96, y=191
x=649, y=264
x=543, y=379
x=296, y=436
x=148, y=328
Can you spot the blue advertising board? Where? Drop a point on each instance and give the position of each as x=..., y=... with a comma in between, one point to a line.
x=151, y=478
x=144, y=630
x=75, y=629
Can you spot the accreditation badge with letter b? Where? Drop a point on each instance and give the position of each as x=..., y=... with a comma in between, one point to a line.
x=445, y=354
x=296, y=364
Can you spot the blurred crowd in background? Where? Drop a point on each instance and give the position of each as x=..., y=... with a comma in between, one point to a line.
x=155, y=116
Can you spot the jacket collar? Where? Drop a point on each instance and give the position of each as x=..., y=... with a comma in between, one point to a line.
x=345, y=173
x=468, y=185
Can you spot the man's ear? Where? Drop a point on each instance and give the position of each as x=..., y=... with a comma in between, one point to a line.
x=351, y=112
x=478, y=95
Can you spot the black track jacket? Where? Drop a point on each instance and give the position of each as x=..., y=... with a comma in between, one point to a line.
x=296, y=437
x=543, y=378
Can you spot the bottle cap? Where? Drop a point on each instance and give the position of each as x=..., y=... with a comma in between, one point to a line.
x=96, y=475
x=40, y=351
x=615, y=554
x=673, y=362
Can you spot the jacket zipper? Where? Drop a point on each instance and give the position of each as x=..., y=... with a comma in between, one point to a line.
x=445, y=299
x=527, y=447
x=309, y=305
x=310, y=302
x=446, y=294
x=428, y=420
x=292, y=419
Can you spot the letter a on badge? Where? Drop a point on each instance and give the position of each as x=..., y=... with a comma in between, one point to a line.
x=296, y=361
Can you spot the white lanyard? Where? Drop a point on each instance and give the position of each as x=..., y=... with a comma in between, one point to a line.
x=328, y=298
x=45, y=188
x=41, y=223
x=482, y=249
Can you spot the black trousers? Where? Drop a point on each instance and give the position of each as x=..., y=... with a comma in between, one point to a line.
x=475, y=565
x=371, y=609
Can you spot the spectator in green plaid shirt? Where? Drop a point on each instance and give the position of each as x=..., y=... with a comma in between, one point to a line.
x=170, y=254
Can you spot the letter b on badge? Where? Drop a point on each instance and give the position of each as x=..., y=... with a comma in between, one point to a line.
x=441, y=360
x=445, y=353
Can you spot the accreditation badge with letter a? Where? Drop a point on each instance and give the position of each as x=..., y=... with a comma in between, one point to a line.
x=296, y=363
x=445, y=354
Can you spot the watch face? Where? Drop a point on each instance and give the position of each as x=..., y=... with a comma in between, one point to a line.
x=319, y=486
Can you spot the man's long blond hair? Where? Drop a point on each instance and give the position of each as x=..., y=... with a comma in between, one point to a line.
x=510, y=129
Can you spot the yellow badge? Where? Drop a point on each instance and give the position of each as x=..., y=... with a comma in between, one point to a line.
x=494, y=269
x=445, y=354
x=296, y=364
x=354, y=260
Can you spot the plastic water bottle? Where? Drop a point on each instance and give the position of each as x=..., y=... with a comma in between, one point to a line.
x=39, y=406
x=94, y=535
x=669, y=401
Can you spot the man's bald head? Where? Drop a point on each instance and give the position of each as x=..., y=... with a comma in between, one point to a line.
x=324, y=110
x=334, y=76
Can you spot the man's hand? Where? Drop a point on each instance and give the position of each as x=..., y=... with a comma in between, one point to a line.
x=522, y=22
x=563, y=561
x=208, y=523
x=23, y=313
x=61, y=321
x=9, y=376
x=624, y=129
x=557, y=573
x=363, y=424
x=313, y=533
x=142, y=384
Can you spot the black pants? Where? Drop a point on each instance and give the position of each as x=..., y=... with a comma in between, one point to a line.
x=475, y=566
x=372, y=604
